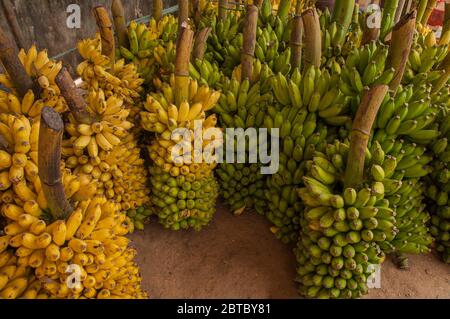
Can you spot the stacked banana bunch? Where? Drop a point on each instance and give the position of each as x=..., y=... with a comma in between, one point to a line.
x=113, y=77
x=183, y=186
x=39, y=67
x=205, y=72
x=149, y=46
x=426, y=55
x=105, y=152
x=341, y=32
x=342, y=229
x=139, y=217
x=438, y=190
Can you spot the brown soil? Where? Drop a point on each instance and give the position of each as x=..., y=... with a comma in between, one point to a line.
x=238, y=257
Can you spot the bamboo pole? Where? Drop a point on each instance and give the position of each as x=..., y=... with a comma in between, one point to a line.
x=73, y=97
x=428, y=10
x=10, y=14
x=200, y=43
x=360, y=134
x=157, y=9
x=120, y=27
x=182, y=60
x=248, y=47
x=183, y=12
x=106, y=31
x=296, y=41
x=12, y=65
x=223, y=9
x=50, y=136
x=313, y=43
x=402, y=39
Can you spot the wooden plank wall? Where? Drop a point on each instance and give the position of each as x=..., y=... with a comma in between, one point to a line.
x=43, y=22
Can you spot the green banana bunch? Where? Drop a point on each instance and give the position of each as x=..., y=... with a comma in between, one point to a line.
x=205, y=72
x=424, y=59
x=271, y=50
x=341, y=229
x=139, y=216
x=184, y=201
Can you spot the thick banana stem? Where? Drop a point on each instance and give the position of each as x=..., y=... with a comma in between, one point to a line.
x=11, y=63
x=106, y=31
x=371, y=30
x=50, y=136
x=313, y=43
x=200, y=43
x=157, y=9
x=248, y=47
x=223, y=9
x=387, y=21
x=183, y=12
x=360, y=134
x=342, y=15
x=184, y=46
x=120, y=27
x=296, y=41
x=421, y=9
x=73, y=97
x=401, y=42
x=429, y=9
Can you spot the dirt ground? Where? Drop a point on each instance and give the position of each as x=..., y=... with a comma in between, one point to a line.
x=238, y=257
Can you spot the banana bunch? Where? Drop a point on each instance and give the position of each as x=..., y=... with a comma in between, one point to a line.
x=341, y=230
x=438, y=189
x=411, y=113
x=113, y=77
x=143, y=41
x=260, y=73
x=106, y=153
x=92, y=241
x=29, y=106
x=300, y=136
x=185, y=198
x=204, y=10
x=426, y=55
x=223, y=46
x=364, y=67
x=205, y=72
x=138, y=217
x=164, y=116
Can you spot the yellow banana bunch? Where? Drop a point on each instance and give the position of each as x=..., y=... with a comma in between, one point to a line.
x=164, y=116
x=85, y=256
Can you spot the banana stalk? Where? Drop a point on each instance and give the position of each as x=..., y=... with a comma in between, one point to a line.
x=249, y=43
x=183, y=12
x=200, y=43
x=387, y=21
x=402, y=39
x=296, y=42
x=106, y=31
x=184, y=44
x=71, y=94
x=313, y=44
x=223, y=8
x=119, y=22
x=361, y=130
x=342, y=15
x=50, y=135
x=370, y=33
x=398, y=13
x=9, y=58
x=421, y=9
x=429, y=9
x=157, y=9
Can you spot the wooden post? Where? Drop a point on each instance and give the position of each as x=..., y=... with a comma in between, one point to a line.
x=200, y=43
x=73, y=97
x=10, y=60
x=120, y=27
x=106, y=31
x=361, y=130
x=157, y=9
x=223, y=9
x=249, y=42
x=183, y=13
x=402, y=39
x=50, y=136
x=296, y=41
x=182, y=60
x=313, y=42
x=10, y=14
